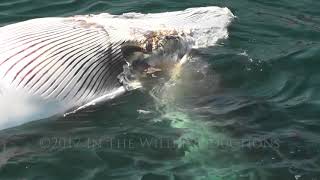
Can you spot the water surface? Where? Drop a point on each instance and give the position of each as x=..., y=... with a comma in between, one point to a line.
x=247, y=108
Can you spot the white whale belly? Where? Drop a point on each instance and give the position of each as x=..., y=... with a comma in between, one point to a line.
x=60, y=59
x=52, y=65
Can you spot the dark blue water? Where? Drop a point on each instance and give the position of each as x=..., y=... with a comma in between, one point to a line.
x=247, y=108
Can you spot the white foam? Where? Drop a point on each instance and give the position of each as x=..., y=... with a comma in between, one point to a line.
x=17, y=108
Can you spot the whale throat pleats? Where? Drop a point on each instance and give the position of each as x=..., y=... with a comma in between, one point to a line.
x=60, y=58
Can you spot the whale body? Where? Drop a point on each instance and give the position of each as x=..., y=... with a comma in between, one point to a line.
x=53, y=65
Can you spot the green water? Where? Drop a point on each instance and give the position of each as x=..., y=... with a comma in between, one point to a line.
x=245, y=109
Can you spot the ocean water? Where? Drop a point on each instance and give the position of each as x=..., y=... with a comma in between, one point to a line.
x=247, y=108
